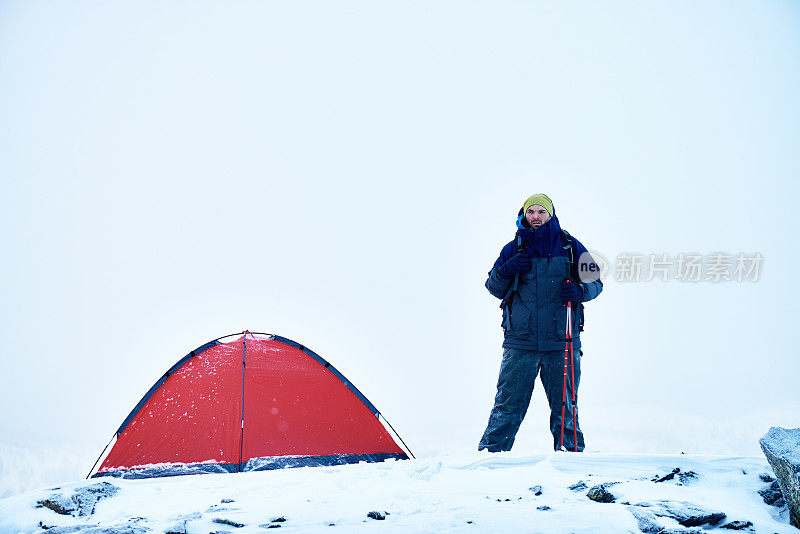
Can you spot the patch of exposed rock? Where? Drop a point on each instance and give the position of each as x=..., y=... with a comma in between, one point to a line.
x=578, y=486
x=781, y=446
x=82, y=502
x=600, y=493
x=685, y=513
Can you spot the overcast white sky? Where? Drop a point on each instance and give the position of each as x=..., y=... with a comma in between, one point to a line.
x=344, y=174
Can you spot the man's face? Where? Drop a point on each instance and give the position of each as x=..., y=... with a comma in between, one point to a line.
x=537, y=216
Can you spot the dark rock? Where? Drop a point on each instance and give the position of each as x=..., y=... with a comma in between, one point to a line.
x=765, y=477
x=43, y=526
x=96, y=529
x=377, y=515
x=683, y=476
x=600, y=493
x=686, y=513
x=537, y=489
x=222, y=521
x=781, y=446
x=543, y=508
x=670, y=476
x=59, y=504
x=280, y=519
x=578, y=486
x=274, y=525
x=693, y=520
x=738, y=525
x=227, y=501
x=772, y=495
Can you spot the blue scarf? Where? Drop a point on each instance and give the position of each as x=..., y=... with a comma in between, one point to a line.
x=545, y=241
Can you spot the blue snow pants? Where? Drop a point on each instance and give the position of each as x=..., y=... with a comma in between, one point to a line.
x=518, y=372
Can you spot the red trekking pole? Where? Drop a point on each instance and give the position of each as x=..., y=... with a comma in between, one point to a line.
x=568, y=352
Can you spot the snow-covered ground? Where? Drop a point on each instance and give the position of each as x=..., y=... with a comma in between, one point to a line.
x=478, y=492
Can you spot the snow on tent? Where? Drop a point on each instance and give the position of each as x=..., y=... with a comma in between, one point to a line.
x=253, y=402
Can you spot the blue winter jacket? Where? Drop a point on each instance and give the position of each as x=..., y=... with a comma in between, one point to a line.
x=535, y=318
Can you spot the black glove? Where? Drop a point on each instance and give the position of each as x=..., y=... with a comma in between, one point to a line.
x=519, y=263
x=571, y=292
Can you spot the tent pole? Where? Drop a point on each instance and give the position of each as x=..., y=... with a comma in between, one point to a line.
x=398, y=437
x=241, y=438
x=99, y=457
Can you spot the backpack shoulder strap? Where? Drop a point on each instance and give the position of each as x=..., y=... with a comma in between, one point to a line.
x=568, y=245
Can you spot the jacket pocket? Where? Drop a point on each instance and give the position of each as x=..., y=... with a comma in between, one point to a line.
x=519, y=320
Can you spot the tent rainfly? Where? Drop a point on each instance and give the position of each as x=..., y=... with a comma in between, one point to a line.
x=248, y=402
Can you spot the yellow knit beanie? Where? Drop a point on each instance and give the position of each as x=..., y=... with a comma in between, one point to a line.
x=539, y=199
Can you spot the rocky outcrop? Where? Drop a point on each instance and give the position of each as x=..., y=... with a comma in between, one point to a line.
x=781, y=446
x=82, y=502
x=683, y=476
x=228, y=522
x=772, y=495
x=738, y=525
x=685, y=513
x=97, y=529
x=646, y=520
x=578, y=486
x=600, y=493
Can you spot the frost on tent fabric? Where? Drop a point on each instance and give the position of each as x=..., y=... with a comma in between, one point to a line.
x=248, y=402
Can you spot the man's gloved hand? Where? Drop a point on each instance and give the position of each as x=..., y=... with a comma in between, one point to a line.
x=519, y=263
x=571, y=292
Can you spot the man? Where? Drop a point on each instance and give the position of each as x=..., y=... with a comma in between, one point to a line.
x=535, y=276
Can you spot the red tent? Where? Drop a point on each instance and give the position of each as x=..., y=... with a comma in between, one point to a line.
x=248, y=402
